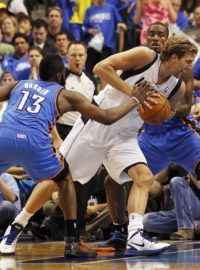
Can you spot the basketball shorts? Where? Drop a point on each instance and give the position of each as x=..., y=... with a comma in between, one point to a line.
x=178, y=145
x=89, y=145
x=31, y=150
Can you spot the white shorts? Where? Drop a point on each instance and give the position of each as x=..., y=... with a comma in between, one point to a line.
x=88, y=146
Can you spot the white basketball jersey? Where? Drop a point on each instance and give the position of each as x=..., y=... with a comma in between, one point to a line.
x=111, y=97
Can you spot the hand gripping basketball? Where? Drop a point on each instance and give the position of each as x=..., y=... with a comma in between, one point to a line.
x=159, y=112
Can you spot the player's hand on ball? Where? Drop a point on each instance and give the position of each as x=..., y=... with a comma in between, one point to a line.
x=150, y=100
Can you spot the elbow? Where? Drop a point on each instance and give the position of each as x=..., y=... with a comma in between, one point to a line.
x=97, y=69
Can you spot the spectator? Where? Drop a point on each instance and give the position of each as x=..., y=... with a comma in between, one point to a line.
x=10, y=203
x=55, y=21
x=179, y=222
x=18, y=64
x=99, y=30
x=24, y=24
x=193, y=31
x=62, y=41
x=188, y=6
x=8, y=29
x=182, y=20
x=39, y=36
x=35, y=55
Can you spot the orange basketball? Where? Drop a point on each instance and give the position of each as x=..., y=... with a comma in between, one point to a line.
x=159, y=112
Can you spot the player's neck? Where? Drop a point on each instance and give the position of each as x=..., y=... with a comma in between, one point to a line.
x=163, y=73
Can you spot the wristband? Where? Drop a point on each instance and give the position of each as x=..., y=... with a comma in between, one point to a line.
x=137, y=101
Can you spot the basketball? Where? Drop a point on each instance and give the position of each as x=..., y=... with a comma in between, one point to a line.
x=159, y=112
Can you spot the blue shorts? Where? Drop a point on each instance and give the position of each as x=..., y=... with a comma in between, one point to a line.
x=178, y=145
x=30, y=149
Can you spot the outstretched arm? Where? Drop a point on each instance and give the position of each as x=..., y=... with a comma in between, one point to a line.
x=69, y=100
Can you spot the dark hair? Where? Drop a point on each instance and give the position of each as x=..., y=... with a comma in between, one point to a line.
x=37, y=49
x=49, y=66
x=21, y=16
x=66, y=33
x=77, y=42
x=19, y=35
x=161, y=24
x=38, y=23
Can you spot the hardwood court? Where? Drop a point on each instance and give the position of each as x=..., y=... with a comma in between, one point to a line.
x=49, y=256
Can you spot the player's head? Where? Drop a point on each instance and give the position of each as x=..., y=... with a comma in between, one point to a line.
x=51, y=68
x=180, y=53
x=157, y=35
x=178, y=45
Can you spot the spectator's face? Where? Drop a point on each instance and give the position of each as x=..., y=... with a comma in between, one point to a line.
x=39, y=35
x=176, y=5
x=24, y=27
x=197, y=16
x=35, y=57
x=62, y=42
x=7, y=78
x=21, y=46
x=54, y=18
x=8, y=26
x=156, y=37
x=76, y=56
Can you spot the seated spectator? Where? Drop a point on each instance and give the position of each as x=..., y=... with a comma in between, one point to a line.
x=10, y=204
x=62, y=41
x=18, y=64
x=24, y=24
x=35, y=55
x=179, y=222
x=55, y=20
x=8, y=29
x=39, y=36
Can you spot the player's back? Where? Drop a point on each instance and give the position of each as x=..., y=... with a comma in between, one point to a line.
x=32, y=106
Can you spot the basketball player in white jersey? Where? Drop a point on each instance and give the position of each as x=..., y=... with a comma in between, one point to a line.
x=90, y=143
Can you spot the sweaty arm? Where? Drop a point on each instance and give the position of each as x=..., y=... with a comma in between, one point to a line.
x=131, y=59
x=175, y=99
x=5, y=90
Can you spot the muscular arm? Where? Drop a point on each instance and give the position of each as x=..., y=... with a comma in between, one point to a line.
x=69, y=100
x=5, y=90
x=131, y=59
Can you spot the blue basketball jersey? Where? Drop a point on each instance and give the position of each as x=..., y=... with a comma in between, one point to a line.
x=32, y=105
x=24, y=130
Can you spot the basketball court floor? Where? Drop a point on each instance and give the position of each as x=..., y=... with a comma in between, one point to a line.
x=49, y=256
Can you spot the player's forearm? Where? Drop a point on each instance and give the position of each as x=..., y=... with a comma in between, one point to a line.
x=117, y=113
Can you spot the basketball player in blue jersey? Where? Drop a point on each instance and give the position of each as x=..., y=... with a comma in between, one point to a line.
x=172, y=141
x=116, y=146
x=33, y=108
